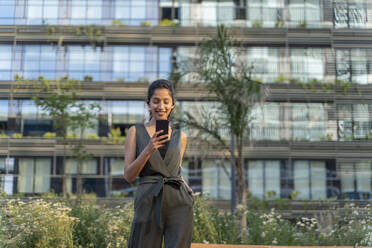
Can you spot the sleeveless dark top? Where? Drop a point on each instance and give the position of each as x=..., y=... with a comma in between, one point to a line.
x=163, y=149
x=166, y=160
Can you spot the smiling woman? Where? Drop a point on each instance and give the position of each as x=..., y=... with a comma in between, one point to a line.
x=163, y=204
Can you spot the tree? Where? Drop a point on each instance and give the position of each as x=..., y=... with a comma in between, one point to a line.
x=236, y=92
x=60, y=102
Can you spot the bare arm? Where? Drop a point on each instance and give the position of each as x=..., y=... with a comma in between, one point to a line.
x=183, y=148
x=132, y=165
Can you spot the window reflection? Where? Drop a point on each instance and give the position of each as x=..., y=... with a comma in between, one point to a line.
x=354, y=121
x=5, y=61
x=307, y=63
x=7, y=12
x=310, y=179
x=350, y=13
x=34, y=175
x=266, y=122
x=215, y=179
x=353, y=65
x=115, y=184
x=35, y=122
x=305, y=13
x=355, y=179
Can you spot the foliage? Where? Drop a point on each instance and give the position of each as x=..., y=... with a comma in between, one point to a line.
x=3, y=135
x=55, y=222
x=227, y=77
x=93, y=136
x=17, y=135
x=146, y=23
x=37, y=224
x=118, y=23
x=92, y=32
x=211, y=226
x=88, y=78
x=59, y=101
x=114, y=137
x=49, y=135
x=167, y=22
x=257, y=24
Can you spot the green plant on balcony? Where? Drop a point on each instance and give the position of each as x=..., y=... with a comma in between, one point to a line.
x=280, y=79
x=302, y=24
x=121, y=80
x=167, y=23
x=92, y=32
x=146, y=23
x=49, y=135
x=72, y=136
x=93, y=136
x=294, y=195
x=88, y=78
x=327, y=137
x=257, y=24
x=117, y=22
x=114, y=137
x=3, y=136
x=17, y=135
x=279, y=24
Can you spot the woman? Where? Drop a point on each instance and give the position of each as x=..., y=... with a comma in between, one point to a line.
x=163, y=203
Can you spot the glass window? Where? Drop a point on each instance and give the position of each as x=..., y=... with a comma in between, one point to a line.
x=307, y=63
x=305, y=13
x=266, y=121
x=91, y=128
x=84, y=61
x=215, y=179
x=265, y=63
x=350, y=13
x=263, y=13
x=310, y=179
x=5, y=62
x=34, y=175
x=90, y=183
x=78, y=12
x=115, y=184
x=87, y=167
x=263, y=177
x=123, y=114
x=308, y=121
x=356, y=179
x=354, y=121
x=7, y=12
x=39, y=61
x=133, y=12
x=352, y=65
x=35, y=122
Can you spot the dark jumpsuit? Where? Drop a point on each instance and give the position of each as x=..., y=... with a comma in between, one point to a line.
x=163, y=206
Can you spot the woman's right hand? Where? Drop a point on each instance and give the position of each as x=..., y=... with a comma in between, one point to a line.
x=157, y=141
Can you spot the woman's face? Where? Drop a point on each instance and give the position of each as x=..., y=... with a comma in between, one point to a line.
x=161, y=103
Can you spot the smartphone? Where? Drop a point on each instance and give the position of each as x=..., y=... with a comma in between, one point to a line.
x=162, y=124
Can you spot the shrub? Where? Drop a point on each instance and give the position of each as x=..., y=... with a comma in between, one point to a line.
x=36, y=224
x=49, y=135
x=167, y=22
x=17, y=135
x=210, y=226
x=146, y=23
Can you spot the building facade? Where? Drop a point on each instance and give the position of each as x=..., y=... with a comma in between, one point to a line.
x=307, y=141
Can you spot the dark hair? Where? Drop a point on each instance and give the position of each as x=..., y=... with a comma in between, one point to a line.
x=160, y=84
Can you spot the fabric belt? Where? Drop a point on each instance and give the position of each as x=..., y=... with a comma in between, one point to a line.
x=157, y=192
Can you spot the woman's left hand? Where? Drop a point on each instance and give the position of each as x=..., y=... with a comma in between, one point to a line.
x=189, y=189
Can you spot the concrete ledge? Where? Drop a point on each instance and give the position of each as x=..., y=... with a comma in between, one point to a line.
x=197, y=245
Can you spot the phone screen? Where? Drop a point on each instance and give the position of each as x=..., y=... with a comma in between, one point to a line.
x=162, y=125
